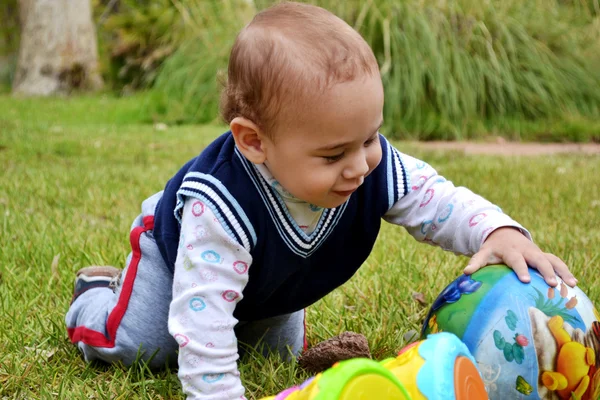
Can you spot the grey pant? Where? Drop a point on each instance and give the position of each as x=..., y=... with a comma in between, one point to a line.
x=129, y=324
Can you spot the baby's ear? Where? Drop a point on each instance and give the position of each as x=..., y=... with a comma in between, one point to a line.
x=248, y=139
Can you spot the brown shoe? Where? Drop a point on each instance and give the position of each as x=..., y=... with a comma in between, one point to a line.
x=95, y=277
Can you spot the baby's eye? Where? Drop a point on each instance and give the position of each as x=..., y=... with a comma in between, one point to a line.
x=371, y=140
x=334, y=158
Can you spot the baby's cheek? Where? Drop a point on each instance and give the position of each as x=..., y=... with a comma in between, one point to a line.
x=374, y=156
x=319, y=186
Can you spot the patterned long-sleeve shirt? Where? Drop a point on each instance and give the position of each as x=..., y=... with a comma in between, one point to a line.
x=211, y=270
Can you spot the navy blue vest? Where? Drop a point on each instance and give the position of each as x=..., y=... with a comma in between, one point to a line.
x=290, y=270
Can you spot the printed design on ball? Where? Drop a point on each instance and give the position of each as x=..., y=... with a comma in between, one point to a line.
x=553, y=305
x=240, y=267
x=212, y=378
x=197, y=304
x=427, y=198
x=211, y=256
x=511, y=351
x=451, y=294
x=197, y=208
x=181, y=339
x=523, y=386
x=230, y=295
x=433, y=325
x=446, y=213
x=573, y=363
x=477, y=218
x=573, y=350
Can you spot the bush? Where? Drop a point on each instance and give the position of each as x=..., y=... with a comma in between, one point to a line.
x=9, y=41
x=187, y=88
x=449, y=67
x=135, y=37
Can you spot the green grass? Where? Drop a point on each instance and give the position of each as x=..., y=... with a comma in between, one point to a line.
x=74, y=172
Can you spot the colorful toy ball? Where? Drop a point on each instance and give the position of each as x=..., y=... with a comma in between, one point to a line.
x=530, y=341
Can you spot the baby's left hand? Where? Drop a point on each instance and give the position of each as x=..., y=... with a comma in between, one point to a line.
x=509, y=246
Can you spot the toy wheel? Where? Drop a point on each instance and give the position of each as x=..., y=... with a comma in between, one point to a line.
x=449, y=371
x=360, y=379
x=467, y=381
x=372, y=386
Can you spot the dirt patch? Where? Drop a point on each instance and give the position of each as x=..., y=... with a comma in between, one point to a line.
x=512, y=148
x=342, y=347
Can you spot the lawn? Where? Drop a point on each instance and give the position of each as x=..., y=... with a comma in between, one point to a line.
x=74, y=172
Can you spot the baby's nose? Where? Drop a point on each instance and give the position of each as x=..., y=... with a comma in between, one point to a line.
x=357, y=169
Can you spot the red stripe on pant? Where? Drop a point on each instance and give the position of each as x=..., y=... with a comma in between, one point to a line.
x=98, y=339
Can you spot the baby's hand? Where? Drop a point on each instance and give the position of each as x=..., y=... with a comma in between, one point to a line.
x=507, y=245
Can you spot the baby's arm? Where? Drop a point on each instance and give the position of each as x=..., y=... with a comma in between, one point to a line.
x=210, y=273
x=437, y=212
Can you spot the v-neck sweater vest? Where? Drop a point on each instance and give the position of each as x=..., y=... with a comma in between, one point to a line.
x=290, y=269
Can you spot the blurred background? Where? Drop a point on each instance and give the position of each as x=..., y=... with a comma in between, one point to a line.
x=452, y=70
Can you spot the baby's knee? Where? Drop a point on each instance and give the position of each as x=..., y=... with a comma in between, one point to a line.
x=156, y=354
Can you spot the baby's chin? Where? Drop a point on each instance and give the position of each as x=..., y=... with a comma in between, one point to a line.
x=319, y=200
x=330, y=203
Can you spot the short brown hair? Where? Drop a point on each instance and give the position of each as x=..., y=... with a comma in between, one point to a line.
x=289, y=50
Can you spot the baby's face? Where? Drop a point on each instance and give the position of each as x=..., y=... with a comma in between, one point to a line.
x=324, y=155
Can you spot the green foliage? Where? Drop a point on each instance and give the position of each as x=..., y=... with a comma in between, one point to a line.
x=137, y=38
x=76, y=169
x=446, y=66
x=188, y=86
x=9, y=41
x=451, y=69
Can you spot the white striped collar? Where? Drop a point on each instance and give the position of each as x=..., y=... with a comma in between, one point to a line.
x=297, y=241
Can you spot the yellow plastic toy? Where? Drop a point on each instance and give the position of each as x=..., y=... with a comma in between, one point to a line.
x=438, y=368
x=573, y=363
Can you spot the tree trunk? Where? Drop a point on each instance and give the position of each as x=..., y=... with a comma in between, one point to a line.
x=58, y=50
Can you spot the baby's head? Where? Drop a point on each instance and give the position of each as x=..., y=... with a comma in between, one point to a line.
x=289, y=54
x=304, y=91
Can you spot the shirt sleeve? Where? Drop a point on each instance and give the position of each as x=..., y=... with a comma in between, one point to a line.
x=436, y=212
x=211, y=270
